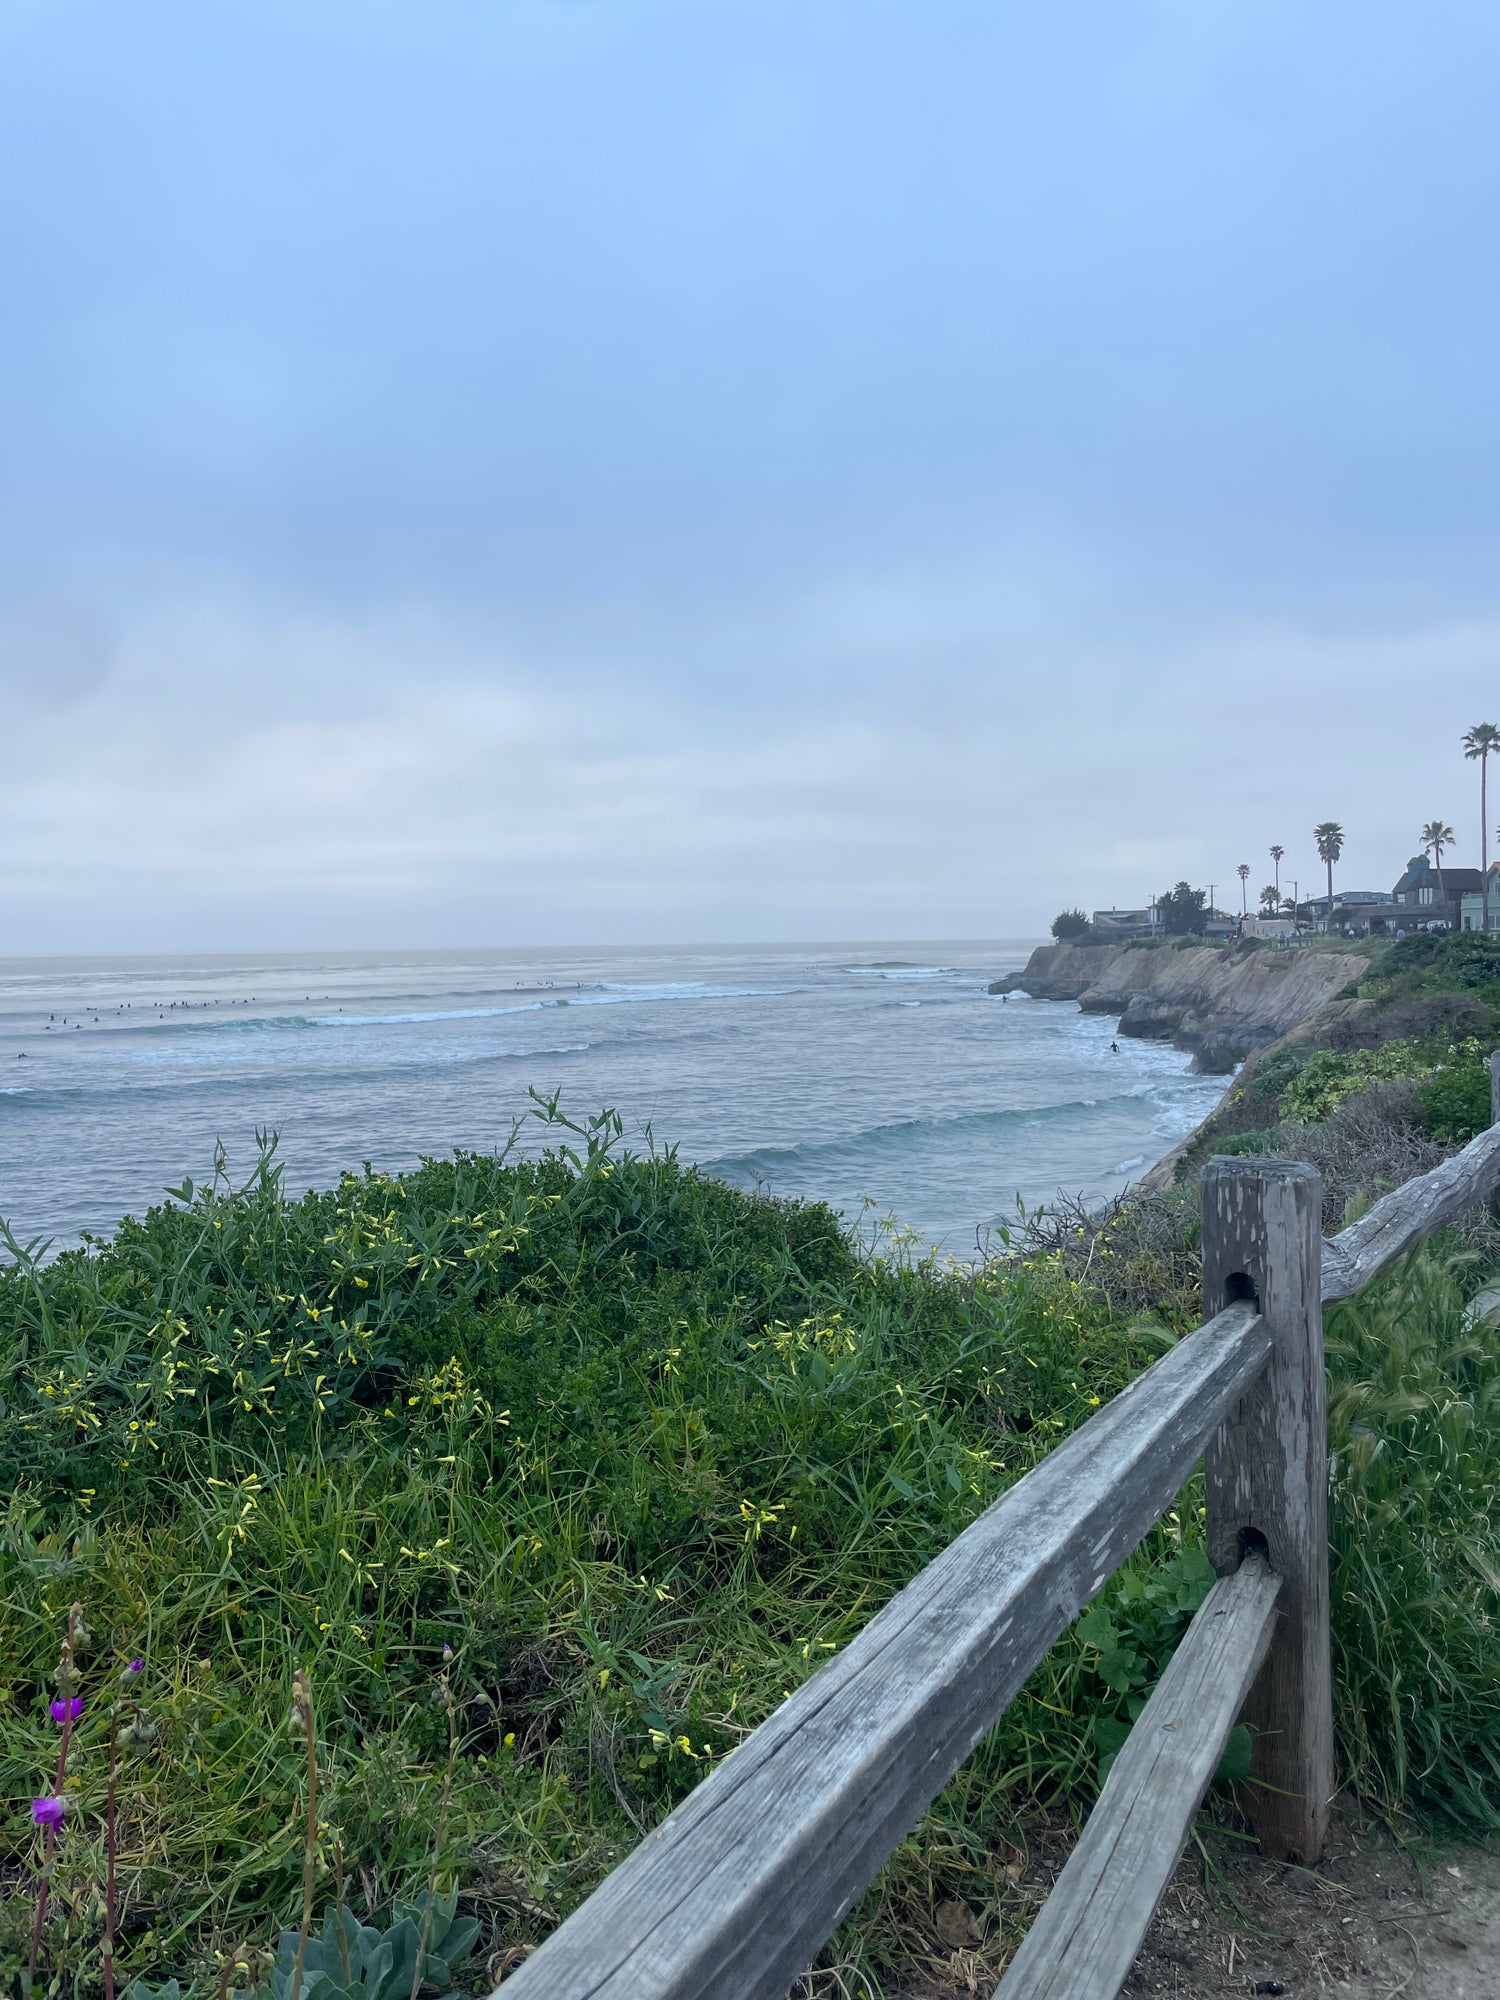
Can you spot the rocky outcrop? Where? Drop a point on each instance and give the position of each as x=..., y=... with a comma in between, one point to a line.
x=1220, y=1004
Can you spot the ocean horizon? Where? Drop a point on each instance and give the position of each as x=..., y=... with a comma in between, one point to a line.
x=879, y=1076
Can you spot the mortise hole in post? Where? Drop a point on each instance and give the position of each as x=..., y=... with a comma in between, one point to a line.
x=1251, y=1542
x=1240, y=1285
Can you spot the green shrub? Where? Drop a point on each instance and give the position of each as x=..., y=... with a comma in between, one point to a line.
x=642, y=1448
x=1267, y=1140
x=1327, y=1078
x=1270, y=1077
x=1464, y=961
x=1455, y=1099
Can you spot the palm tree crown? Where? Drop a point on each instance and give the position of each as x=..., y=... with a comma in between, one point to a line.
x=1329, y=836
x=1437, y=835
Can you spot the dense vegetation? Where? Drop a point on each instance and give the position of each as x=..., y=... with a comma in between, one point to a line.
x=642, y=1451
x=1376, y=1086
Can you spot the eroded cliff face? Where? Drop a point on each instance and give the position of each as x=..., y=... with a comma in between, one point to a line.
x=1218, y=1004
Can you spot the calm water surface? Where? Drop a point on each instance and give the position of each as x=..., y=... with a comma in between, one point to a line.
x=878, y=1073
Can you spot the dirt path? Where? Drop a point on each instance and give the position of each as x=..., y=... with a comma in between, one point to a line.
x=1377, y=1920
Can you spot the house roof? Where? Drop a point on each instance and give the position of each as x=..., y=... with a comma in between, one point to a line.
x=1420, y=873
x=1462, y=881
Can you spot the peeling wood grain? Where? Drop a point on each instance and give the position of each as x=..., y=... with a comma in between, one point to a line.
x=1090, y=1928
x=1266, y=1481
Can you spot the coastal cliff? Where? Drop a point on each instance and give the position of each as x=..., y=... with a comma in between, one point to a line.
x=1219, y=1004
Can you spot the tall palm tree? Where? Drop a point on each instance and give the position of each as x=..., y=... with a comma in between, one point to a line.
x=1479, y=742
x=1435, y=837
x=1329, y=836
x=1243, y=871
x=1276, y=854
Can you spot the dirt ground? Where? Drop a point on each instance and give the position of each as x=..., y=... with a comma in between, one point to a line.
x=1376, y=1919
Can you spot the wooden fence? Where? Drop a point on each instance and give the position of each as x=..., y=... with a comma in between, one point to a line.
x=732, y=1895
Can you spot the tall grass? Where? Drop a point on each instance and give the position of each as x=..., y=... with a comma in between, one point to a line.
x=642, y=1451
x=1414, y=1422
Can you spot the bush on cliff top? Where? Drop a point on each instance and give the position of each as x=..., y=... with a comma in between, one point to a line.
x=643, y=1450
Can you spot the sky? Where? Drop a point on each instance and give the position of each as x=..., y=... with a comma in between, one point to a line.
x=524, y=472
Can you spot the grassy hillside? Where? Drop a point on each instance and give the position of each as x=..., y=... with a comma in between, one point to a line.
x=1381, y=1083
x=641, y=1451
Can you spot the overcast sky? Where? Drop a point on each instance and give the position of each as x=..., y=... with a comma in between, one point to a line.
x=529, y=471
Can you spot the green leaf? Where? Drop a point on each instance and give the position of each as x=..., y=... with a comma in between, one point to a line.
x=1121, y=1669
x=1109, y=1739
x=1096, y=1628
x=1234, y=1765
x=1109, y=1734
x=462, y=1936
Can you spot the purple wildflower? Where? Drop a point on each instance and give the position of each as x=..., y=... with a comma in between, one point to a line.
x=136, y=1667
x=48, y=1812
x=447, y=1654
x=67, y=1710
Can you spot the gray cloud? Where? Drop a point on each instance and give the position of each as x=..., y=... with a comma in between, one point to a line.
x=531, y=471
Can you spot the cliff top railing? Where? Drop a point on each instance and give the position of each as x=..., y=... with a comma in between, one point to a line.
x=732, y=1895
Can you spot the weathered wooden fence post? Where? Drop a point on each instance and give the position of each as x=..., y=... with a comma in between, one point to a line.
x=1267, y=1472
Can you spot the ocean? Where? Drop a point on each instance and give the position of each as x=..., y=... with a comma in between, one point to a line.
x=879, y=1077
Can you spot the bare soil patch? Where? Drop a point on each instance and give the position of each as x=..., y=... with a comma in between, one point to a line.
x=1377, y=1919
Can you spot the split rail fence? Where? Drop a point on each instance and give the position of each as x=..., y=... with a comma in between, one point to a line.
x=732, y=1895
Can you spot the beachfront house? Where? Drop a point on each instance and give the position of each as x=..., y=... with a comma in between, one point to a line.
x=1471, y=913
x=1126, y=923
x=1428, y=899
x=1351, y=908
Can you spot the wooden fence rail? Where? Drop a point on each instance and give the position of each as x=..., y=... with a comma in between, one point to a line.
x=733, y=1894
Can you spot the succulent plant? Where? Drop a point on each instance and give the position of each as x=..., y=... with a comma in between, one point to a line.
x=355, y=1961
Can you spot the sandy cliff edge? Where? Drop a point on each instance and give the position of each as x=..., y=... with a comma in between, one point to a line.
x=1219, y=1005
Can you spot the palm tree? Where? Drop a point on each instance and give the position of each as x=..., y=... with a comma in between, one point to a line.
x=1276, y=854
x=1479, y=742
x=1329, y=836
x=1243, y=871
x=1270, y=900
x=1435, y=837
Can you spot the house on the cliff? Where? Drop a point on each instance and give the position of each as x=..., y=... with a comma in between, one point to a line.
x=1428, y=898
x=1118, y=925
x=1349, y=905
x=1471, y=903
